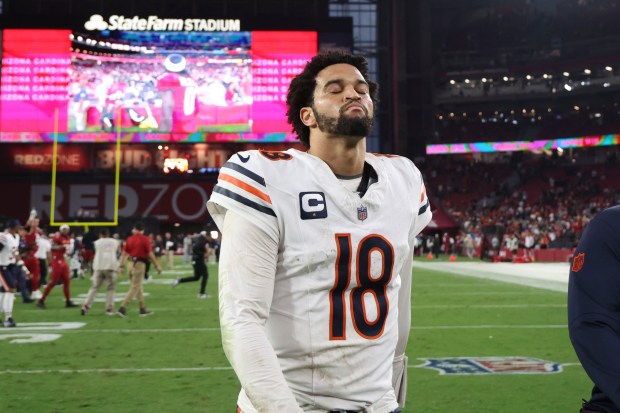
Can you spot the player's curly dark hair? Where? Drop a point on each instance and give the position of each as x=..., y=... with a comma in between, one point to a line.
x=301, y=91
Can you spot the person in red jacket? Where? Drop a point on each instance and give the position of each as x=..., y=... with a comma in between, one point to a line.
x=30, y=248
x=138, y=250
x=61, y=243
x=179, y=96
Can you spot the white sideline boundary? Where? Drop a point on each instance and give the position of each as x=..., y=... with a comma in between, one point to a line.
x=547, y=276
x=163, y=370
x=26, y=328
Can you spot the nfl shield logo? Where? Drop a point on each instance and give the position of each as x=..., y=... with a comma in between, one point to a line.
x=362, y=213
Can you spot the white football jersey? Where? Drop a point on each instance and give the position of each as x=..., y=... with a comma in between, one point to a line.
x=333, y=317
x=11, y=243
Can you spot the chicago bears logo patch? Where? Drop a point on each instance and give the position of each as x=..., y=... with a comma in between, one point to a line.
x=578, y=262
x=491, y=365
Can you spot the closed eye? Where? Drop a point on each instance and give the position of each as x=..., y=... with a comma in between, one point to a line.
x=334, y=89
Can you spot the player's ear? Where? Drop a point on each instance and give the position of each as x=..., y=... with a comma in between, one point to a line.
x=306, y=114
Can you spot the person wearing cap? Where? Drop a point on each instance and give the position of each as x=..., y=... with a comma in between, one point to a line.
x=178, y=95
x=9, y=268
x=61, y=243
x=138, y=250
x=200, y=250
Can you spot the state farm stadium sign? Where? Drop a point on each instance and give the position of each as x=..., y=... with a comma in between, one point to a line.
x=155, y=23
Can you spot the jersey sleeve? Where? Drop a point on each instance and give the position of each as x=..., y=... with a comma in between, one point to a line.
x=424, y=213
x=242, y=187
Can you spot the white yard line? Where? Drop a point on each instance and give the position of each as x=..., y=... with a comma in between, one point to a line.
x=25, y=328
x=156, y=370
x=127, y=370
x=478, y=293
x=448, y=306
x=491, y=326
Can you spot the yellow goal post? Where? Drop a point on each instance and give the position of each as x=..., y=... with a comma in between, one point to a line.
x=117, y=173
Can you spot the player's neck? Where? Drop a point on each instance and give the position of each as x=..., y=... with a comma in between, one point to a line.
x=344, y=156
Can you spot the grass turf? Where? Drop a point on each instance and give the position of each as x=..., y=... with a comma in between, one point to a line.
x=173, y=361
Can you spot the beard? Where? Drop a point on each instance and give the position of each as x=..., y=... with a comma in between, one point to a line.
x=345, y=125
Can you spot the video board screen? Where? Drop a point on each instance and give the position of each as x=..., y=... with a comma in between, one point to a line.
x=153, y=86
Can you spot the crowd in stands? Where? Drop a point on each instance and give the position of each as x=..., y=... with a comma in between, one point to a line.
x=522, y=201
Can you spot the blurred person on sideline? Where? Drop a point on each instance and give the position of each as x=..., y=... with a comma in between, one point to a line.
x=317, y=252
x=187, y=248
x=75, y=258
x=105, y=266
x=170, y=246
x=61, y=246
x=88, y=251
x=138, y=250
x=43, y=254
x=200, y=252
x=10, y=268
x=29, y=253
x=594, y=309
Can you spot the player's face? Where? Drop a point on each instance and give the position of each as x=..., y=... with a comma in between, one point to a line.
x=342, y=103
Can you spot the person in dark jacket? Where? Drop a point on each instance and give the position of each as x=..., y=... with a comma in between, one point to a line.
x=594, y=309
x=200, y=250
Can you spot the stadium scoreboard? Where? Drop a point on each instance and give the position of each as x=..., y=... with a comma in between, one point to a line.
x=157, y=78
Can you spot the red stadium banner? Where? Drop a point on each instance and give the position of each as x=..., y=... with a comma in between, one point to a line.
x=87, y=157
x=176, y=201
x=28, y=157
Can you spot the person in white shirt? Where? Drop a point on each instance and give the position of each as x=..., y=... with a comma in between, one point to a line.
x=105, y=267
x=171, y=246
x=43, y=254
x=316, y=255
x=187, y=248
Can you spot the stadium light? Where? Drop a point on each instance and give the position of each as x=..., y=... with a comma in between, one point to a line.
x=587, y=71
x=175, y=164
x=568, y=87
x=609, y=68
x=566, y=74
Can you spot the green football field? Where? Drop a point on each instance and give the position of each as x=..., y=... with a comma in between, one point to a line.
x=59, y=361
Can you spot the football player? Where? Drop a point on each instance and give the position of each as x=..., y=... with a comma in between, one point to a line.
x=30, y=248
x=10, y=268
x=179, y=96
x=61, y=243
x=317, y=250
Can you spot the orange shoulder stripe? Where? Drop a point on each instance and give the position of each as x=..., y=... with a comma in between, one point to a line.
x=240, y=184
